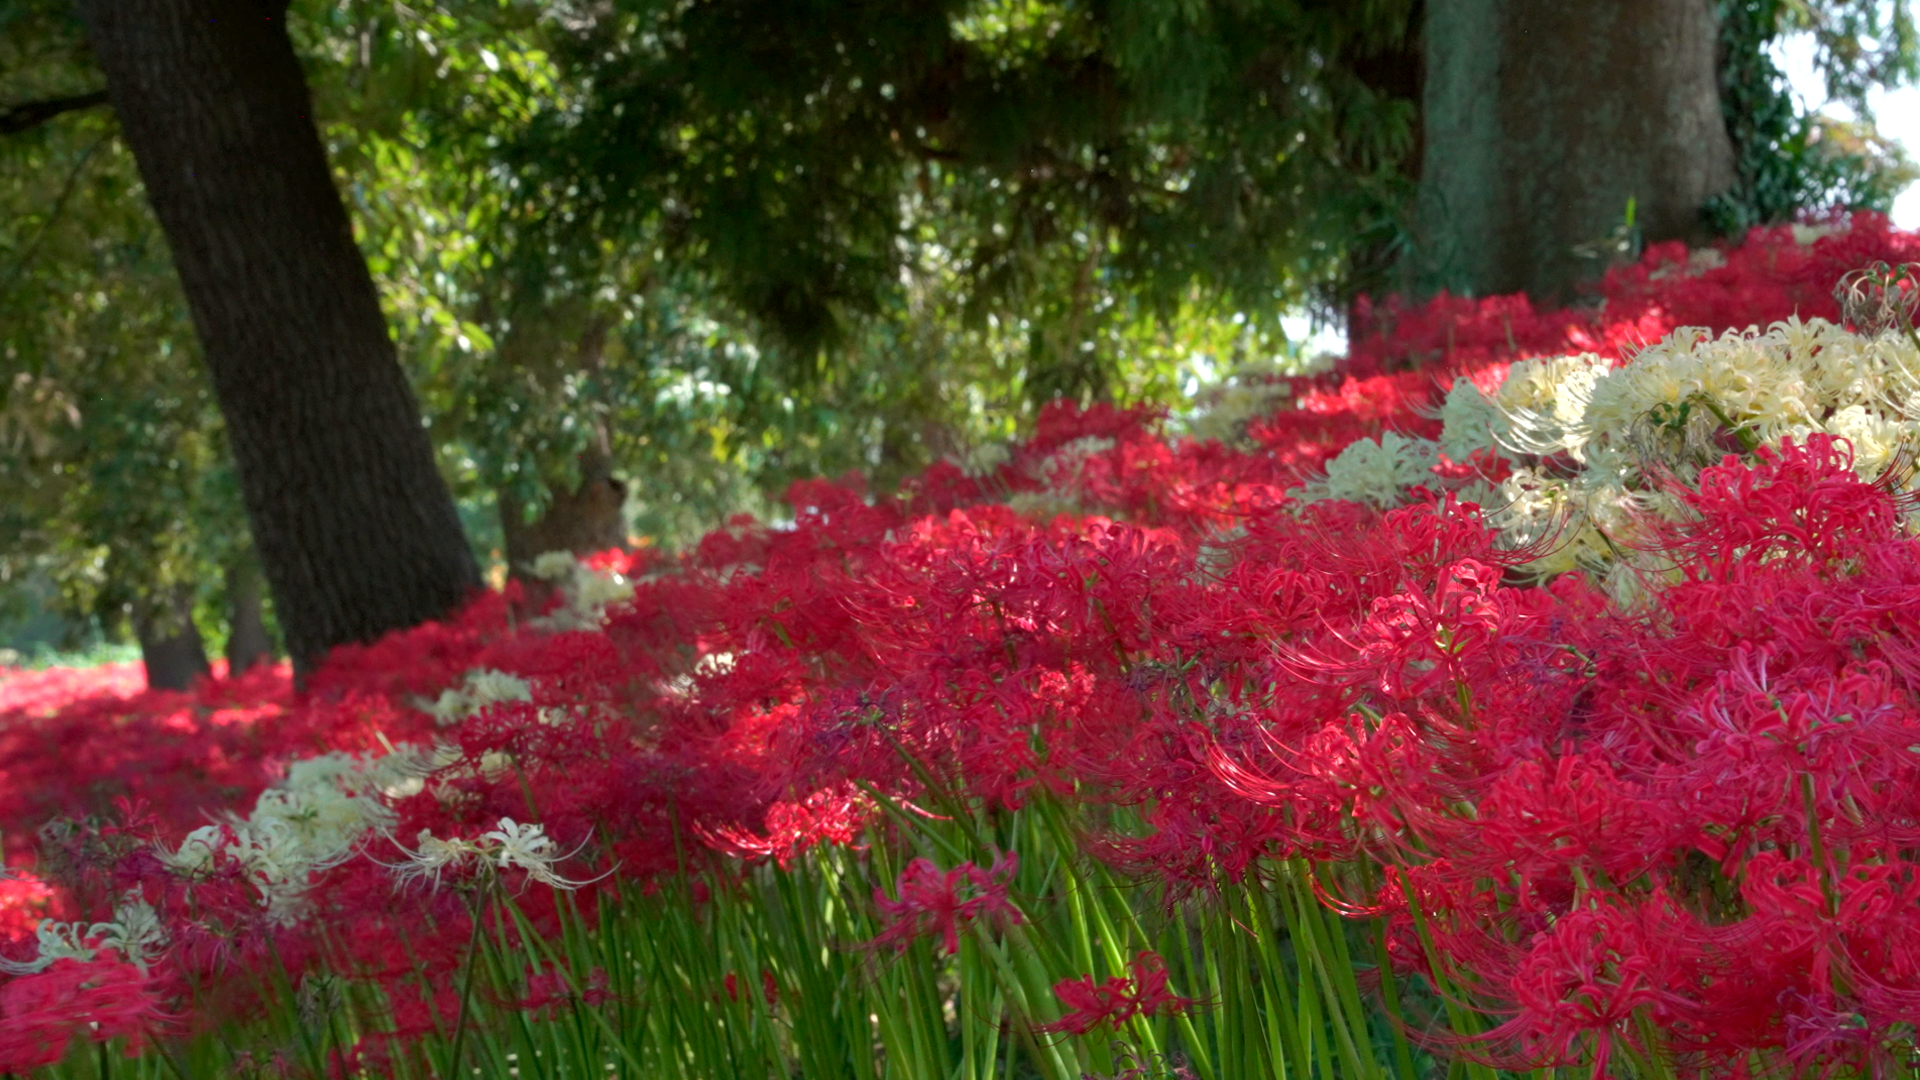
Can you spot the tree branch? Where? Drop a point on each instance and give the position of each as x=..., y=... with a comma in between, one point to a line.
x=34, y=113
x=59, y=204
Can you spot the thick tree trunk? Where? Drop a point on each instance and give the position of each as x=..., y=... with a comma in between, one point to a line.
x=1542, y=118
x=170, y=645
x=354, y=526
x=584, y=520
x=248, y=642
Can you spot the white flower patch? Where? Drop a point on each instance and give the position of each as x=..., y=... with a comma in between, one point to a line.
x=1068, y=461
x=481, y=689
x=1742, y=382
x=1252, y=392
x=1876, y=438
x=312, y=820
x=1592, y=444
x=134, y=932
x=586, y=593
x=984, y=460
x=1543, y=404
x=328, y=805
x=1472, y=422
x=1378, y=473
x=1676, y=406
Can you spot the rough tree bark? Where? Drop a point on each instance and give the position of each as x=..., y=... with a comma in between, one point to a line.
x=248, y=642
x=1542, y=118
x=354, y=526
x=171, y=650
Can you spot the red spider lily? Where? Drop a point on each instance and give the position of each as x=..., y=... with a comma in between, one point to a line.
x=106, y=999
x=551, y=989
x=930, y=901
x=837, y=815
x=1582, y=981
x=418, y=1010
x=1117, y=999
x=1802, y=502
x=769, y=988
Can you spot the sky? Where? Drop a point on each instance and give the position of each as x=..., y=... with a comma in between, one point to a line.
x=1897, y=113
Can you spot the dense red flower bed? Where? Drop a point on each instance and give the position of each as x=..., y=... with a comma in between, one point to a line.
x=1704, y=810
x=72, y=741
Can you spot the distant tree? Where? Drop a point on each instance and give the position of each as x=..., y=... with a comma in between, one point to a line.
x=1789, y=160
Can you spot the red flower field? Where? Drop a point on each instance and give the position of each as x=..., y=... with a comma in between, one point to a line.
x=1089, y=726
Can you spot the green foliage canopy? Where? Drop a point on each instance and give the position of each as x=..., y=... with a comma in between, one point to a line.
x=1149, y=144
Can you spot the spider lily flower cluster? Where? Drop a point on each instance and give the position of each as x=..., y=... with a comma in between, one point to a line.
x=314, y=819
x=585, y=591
x=1344, y=708
x=479, y=690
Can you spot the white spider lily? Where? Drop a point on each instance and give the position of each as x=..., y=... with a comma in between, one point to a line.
x=196, y=850
x=481, y=689
x=450, y=708
x=314, y=819
x=531, y=849
x=587, y=592
x=553, y=565
x=57, y=941
x=486, y=687
x=514, y=845
x=1377, y=472
x=432, y=857
x=135, y=932
x=985, y=459
x=1591, y=443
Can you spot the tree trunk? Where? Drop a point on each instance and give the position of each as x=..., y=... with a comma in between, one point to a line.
x=591, y=517
x=1543, y=118
x=354, y=526
x=170, y=645
x=587, y=519
x=248, y=642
